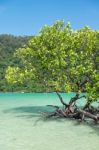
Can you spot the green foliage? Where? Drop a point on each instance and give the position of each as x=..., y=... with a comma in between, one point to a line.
x=57, y=59
x=8, y=45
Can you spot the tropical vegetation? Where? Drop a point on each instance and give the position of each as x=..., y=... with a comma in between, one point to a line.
x=60, y=59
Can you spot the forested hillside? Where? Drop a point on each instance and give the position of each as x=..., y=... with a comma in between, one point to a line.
x=8, y=45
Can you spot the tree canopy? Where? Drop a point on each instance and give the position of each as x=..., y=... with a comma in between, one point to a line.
x=59, y=59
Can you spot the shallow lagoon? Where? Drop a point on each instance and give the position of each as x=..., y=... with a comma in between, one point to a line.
x=22, y=127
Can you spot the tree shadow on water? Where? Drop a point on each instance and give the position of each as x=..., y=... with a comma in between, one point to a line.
x=29, y=110
x=37, y=113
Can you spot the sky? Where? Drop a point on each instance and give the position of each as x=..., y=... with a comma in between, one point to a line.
x=27, y=17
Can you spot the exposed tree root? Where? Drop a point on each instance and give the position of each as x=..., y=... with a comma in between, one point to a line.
x=72, y=111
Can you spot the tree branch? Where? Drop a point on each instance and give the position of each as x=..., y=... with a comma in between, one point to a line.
x=61, y=99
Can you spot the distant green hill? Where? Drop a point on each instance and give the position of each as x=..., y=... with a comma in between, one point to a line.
x=8, y=45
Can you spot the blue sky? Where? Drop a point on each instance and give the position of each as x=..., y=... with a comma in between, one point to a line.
x=26, y=17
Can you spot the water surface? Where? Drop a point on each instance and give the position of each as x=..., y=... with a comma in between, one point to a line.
x=22, y=126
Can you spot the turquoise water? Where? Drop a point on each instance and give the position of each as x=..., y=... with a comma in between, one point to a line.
x=22, y=126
